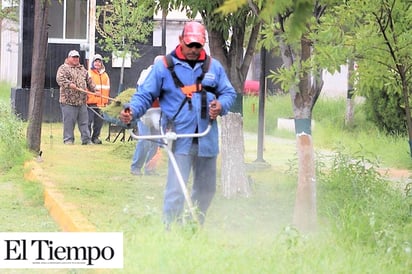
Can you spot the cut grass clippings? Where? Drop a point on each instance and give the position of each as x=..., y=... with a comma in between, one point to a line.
x=113, y=109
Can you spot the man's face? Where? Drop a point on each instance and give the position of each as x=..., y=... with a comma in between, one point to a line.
x=74, y=60
x=191, y=51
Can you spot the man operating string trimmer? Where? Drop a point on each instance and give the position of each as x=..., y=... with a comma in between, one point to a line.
x=193, y=89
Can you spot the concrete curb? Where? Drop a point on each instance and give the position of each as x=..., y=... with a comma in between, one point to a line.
x=66, y=215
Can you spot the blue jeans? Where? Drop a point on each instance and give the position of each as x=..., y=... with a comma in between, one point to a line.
x=204, y=185
x=145, y=149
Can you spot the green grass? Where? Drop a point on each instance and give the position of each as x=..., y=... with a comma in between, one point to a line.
x=364, y=223
x=21, y=201
x=22, y=204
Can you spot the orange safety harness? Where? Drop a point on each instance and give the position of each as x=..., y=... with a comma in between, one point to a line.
x=189, y=90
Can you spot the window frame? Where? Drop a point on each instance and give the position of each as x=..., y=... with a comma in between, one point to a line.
x=65, y=40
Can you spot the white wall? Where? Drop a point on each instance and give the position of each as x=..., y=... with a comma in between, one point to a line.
x=173, y=30
x=9, y=52
x=335, y=85
x=174, y=27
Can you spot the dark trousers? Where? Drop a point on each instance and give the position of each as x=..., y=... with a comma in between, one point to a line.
x=95, y=121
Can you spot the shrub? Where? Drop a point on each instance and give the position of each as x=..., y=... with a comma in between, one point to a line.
x=384, y=109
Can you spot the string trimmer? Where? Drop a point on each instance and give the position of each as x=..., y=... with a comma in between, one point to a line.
x=168, y=139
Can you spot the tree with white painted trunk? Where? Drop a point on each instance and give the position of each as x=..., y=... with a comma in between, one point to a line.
x=295, y=31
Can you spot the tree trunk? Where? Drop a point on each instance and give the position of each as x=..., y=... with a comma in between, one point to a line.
x=305, y=214
x=38, y=75
x=233, y=176
x=405, y=94
x=349, y=115
x=236, y=63
x=304, y=97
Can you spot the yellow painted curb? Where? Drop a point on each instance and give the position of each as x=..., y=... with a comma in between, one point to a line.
x=66, y=215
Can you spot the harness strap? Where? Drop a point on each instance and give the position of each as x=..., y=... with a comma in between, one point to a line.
x=203, y=107
x=171, y=66
x=189, y=90
x=205, y=68
x=186, y=89
x=180, y=108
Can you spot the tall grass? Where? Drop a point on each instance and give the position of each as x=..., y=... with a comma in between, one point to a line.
x=365, y=210
x=12, y=140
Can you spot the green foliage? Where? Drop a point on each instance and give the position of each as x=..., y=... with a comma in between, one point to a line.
x=290, y=23
x=382, y=44
x=230, y=6
x=384, y=109
x=10, y=13
x=124, y=24
x=376, y=33
x=332, y=47
x=363, y=207
x=299, y=19
x=287, y=77
x=214, y=15
x=12, y=139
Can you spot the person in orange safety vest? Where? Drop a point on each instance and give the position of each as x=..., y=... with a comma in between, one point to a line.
x=95, y=102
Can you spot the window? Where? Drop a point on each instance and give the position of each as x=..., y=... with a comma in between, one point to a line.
x=9, y=4
x=68, y=20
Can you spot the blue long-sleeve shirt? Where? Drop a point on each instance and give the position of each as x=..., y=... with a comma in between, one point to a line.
x=160, y=84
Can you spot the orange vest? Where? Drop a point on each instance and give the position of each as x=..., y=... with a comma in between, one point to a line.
x=102, y=82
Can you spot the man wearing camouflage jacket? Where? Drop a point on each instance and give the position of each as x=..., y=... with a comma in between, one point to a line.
x=73, y=79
